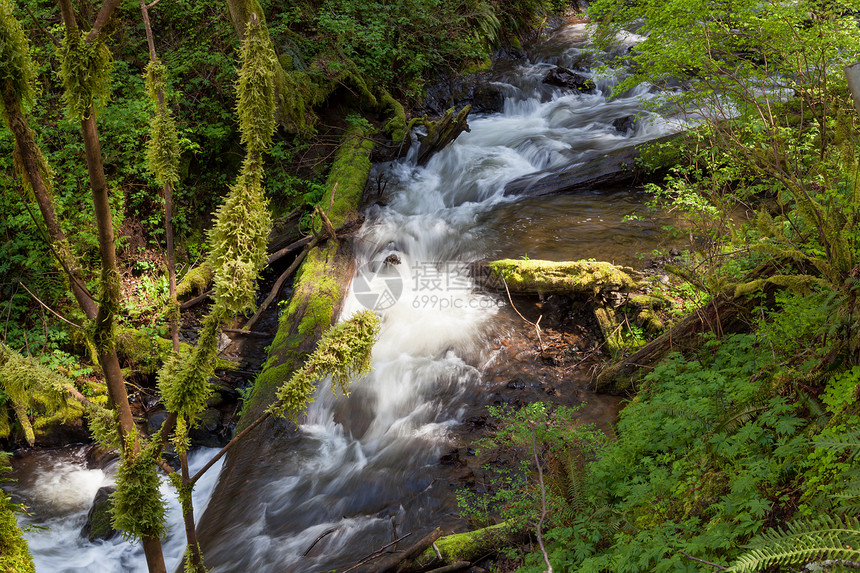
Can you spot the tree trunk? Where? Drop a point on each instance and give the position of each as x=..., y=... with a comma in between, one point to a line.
x=110, y=296
x=168, y=202
x=28, y=152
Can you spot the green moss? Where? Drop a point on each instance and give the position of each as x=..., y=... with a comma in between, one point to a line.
x=611, y=329
x=343, y=353
x=85, y=69
x=14, y=553
x=195, y=282
x=34, y=391
x=649, y=320
x=396, y=126
x=569, y=277
x=469, y=546
x=647, y=301
x=16, y=72
x=349, y=172
x=479, y=66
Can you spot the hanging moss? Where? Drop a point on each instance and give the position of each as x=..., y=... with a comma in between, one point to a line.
x=137, y=505
x=104, y=427
x=16, y=84
x=85, y=72
x=14, y=553
x=162, y=150
x=238, y=243
x=343, y=353
x=16, y=71
x=255, y=88
x=184, y=380
x=28, y=384
x=239, y=239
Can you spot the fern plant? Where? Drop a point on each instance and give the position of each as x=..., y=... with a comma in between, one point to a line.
x=813, y=539
x=803, y=541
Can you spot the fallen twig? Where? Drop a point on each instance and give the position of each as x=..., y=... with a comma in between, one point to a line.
x=318, y=539
x=376, y=553
x=196, y=300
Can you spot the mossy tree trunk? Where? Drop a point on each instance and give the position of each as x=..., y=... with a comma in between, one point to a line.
x=33, y=168
x=110, y=295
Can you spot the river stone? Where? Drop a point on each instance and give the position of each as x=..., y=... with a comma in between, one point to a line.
x=98, y=524
x=624, y=124
x=564, y=78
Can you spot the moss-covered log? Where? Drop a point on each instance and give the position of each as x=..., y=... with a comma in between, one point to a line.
x=440, y=133
x=467, y=547
x=318, y=290
x=568, y=277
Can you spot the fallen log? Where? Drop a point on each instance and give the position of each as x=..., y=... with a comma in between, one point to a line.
x=726, y=313
x=469, y=547
x=393, y=561
x=565, y=277
x=318, y=290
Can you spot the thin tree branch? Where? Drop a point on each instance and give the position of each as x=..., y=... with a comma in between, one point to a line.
x=688, y=556
x=51, y=310
x=42, y=28
x=542, y=504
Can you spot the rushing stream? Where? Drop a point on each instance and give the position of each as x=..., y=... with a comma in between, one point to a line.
x=364, y=469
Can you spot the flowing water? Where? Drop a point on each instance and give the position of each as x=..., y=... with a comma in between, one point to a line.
x=58, y=487
x=360, y=471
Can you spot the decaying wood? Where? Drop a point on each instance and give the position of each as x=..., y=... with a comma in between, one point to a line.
x=440, y=133
x=393, y=561
x=724, y=314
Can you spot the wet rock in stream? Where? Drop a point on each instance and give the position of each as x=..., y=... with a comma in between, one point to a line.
x=98, y=525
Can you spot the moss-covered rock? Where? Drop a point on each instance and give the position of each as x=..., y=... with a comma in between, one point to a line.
x=567, y=277
x=647, y=301
x=98, y=525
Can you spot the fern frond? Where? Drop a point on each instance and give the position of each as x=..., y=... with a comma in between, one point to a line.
x=739, y=416
x=848, y=441
x=801, y=542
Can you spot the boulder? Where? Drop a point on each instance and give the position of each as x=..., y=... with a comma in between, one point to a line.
x=98, y=525
x=624, y=124
x=564, y=78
